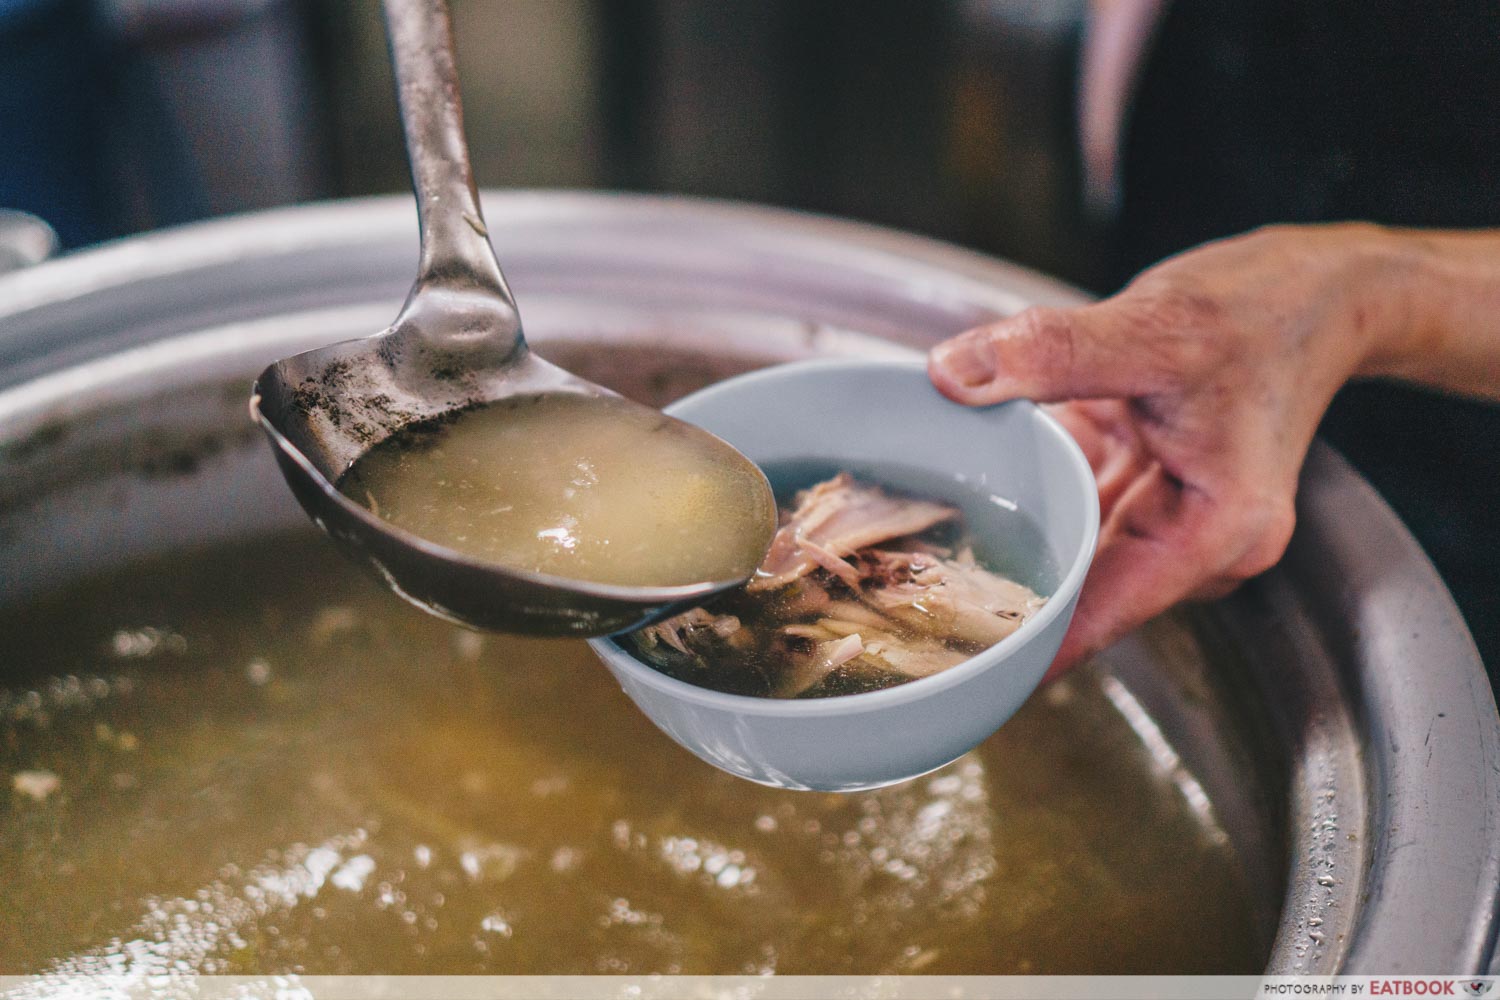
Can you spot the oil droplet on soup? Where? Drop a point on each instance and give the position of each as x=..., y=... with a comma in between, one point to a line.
x=580, y=487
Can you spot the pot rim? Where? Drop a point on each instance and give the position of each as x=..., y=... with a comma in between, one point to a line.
x=1431, y=865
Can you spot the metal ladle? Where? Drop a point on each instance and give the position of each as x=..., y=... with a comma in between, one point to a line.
x=456, y=344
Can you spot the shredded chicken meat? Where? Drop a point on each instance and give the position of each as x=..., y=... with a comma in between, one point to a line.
x=855, y=589
x=834, y=520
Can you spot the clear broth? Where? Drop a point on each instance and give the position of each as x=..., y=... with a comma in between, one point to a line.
x=1006, y=540
x=581, y=487
x=262, y=771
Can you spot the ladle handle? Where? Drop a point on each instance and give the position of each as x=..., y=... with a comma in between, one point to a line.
x=457, y=257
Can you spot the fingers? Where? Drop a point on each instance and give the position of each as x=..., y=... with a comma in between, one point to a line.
x=1165, y=543
x=1111, y=443
x=1140, y=569
x=1048, y=355
x=1090, y=433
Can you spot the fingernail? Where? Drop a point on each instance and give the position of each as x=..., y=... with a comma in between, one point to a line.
x=968, y=360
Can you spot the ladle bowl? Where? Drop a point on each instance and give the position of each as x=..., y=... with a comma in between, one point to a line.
x=457, y=344
x=376, y=388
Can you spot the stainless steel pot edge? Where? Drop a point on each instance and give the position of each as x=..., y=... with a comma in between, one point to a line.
x=1451, y=801
x=1432, y=845
x=145, y=271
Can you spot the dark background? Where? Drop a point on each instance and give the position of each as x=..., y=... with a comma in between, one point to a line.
x=949, y=117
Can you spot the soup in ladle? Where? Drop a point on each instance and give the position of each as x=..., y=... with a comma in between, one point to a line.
x=581, y=487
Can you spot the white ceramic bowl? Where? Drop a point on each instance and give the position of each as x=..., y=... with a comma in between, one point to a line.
x=865, y=414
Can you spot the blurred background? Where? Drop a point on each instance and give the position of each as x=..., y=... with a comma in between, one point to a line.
x=949, y=117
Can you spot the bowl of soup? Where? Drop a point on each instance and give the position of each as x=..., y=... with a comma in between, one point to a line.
x=886, y=651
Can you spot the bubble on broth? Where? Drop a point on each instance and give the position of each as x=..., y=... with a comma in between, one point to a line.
x=393, y=800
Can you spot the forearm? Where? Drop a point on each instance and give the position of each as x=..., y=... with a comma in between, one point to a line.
x=1440, y=318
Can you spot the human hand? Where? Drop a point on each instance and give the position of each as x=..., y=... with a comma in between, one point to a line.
x=1195, y=393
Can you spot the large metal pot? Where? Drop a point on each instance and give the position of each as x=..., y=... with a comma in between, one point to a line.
x=1332, y=718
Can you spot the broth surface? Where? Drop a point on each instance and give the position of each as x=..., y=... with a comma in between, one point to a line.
x=581, y=487
x=261, y=768
x=740, y=641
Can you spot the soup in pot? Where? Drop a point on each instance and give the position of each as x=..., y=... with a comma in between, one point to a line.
x=251, y=759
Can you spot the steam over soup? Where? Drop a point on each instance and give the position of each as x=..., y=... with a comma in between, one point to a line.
x=863, y=588
x=581, y=487
x=211, y=764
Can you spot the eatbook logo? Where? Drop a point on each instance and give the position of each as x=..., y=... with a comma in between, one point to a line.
x=1478, y=987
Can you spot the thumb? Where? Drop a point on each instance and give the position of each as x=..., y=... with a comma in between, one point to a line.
x=1048, y=355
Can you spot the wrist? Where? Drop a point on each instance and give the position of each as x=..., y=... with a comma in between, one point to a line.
x=1391, y=267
